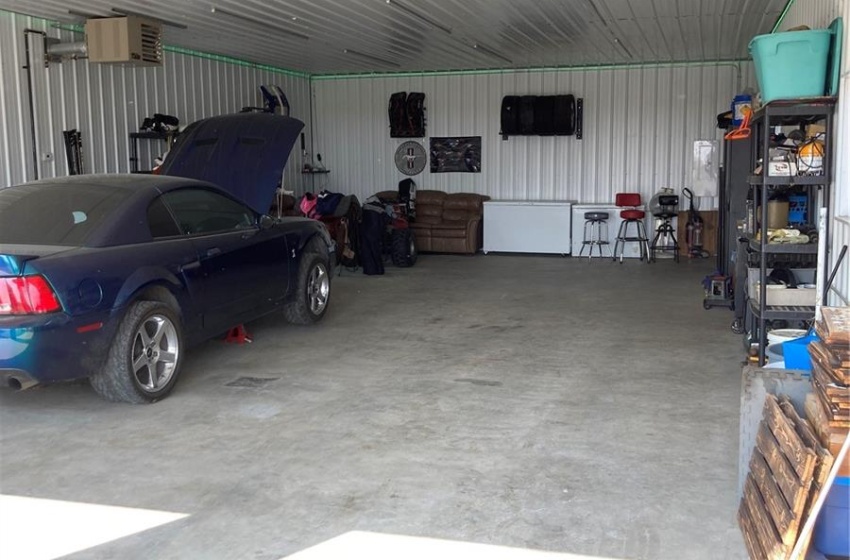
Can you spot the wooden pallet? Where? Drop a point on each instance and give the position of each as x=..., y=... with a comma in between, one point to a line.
x=777, y=490
x=830, y=433
x=824, y=461
x=836, y=361
x=834, y=327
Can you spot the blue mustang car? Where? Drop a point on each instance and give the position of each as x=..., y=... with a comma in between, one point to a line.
x=112, y=277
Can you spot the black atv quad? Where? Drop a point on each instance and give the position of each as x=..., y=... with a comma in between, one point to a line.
x=399, y=242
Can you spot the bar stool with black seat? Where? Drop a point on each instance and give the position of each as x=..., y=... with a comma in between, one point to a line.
x=664, y=206
x=631, y=214
x=593, y=225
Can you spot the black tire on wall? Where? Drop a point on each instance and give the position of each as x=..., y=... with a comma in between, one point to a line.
x=404, y=252
x=526, y=114
x=565, y=115
x=510, y=115
x=544, y=115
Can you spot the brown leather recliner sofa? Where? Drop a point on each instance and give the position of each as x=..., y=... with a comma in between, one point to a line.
x=447, y=222
x=286, y=205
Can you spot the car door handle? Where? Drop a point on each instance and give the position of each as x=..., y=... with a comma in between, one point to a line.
x=190, y=266
x=213, y=252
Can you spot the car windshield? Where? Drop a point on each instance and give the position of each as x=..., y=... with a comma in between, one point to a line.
x=55, y=213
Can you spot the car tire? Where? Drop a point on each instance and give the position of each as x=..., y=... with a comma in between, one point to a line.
x=313, y=289
x=144, y=361
x=404, y=252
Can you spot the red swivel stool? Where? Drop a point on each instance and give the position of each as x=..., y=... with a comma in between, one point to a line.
x=631, y=215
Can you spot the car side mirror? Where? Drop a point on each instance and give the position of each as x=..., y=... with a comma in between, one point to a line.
x=266, y=222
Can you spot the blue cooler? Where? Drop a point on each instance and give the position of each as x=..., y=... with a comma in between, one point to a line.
x=832, y=530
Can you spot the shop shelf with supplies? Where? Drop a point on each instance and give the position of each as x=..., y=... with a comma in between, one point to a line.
x=815, y=186
x=167, y=137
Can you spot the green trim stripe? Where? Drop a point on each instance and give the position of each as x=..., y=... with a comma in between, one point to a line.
x=781, y=17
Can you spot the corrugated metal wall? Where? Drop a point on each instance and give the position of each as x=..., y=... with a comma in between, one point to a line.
x=639, y=127
x=819, y=14
x=107, y=102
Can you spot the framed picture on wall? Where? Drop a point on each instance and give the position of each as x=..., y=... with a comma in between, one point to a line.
x=457, y=154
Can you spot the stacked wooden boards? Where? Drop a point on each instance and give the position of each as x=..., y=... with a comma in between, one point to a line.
x=788, y=468
x=828, y=407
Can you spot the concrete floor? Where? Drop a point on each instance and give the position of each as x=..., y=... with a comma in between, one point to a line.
x=534, y=402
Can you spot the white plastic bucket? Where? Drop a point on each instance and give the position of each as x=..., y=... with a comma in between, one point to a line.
x=784, y=335
x=774, y=354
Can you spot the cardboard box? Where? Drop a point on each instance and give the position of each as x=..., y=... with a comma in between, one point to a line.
x=813, y=130
x=834, y=449
x=781, y=168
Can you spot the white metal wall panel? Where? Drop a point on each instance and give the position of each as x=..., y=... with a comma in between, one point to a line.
x=819, y=14
x=107, y=102
x=841, y=188
x=841, y=284
x=639, y=127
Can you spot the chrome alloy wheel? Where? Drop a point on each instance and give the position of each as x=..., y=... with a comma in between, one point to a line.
x=155, y=353
x=318, y=288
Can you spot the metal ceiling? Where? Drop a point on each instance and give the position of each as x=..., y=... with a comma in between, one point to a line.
x=354, y=36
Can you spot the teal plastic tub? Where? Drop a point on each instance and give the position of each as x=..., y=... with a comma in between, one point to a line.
x=832, y=530
x=791, y=64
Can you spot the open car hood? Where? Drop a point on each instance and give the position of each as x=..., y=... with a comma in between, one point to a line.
x=243, y=154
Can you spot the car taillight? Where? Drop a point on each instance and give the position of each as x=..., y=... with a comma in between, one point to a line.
x=27, y=295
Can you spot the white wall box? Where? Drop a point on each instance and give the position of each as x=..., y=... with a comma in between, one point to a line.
x=527, y=227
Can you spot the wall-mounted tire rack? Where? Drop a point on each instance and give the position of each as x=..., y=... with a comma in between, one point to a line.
x=541, y=115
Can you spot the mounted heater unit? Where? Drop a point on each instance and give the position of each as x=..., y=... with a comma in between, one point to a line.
x=124, y=40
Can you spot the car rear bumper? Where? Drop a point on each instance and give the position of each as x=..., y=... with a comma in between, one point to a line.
x=47, y=348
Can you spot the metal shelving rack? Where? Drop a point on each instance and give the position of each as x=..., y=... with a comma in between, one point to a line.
x=166, y=137
x=785, y=113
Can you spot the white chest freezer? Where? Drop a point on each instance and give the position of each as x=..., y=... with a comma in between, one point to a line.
x=527, y=227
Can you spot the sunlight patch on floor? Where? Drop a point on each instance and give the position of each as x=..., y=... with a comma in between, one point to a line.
x=40, y=529
x=377, y=546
